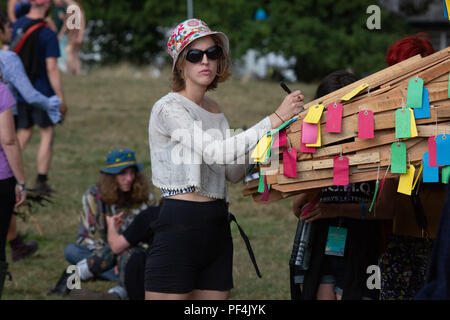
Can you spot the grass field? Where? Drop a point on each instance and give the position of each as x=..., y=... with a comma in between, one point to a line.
x=110, y=108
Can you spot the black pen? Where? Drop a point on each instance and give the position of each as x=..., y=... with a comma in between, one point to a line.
x=285, y=87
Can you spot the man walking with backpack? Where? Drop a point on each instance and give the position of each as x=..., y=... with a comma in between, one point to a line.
x=37, y=46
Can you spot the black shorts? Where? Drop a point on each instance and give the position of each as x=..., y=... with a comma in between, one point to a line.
x=192, y=248
x=29, y=116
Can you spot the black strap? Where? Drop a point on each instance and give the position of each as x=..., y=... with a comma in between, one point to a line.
x=247, y=243
x=419, y=212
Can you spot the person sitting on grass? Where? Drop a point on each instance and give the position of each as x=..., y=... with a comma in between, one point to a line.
x=121, y=189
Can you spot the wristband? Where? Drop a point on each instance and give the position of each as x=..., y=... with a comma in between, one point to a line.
x=22, y=185
x=279, y=117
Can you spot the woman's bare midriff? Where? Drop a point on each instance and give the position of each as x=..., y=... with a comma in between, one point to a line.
x=191, y=197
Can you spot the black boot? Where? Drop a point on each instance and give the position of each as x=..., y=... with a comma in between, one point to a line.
x=61, y=286
x=21, y=250
x=3, y=273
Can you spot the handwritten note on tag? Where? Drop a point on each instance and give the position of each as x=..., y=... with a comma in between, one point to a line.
x=319, y=139
x=280, y=139
x=415, y=93
x=309, y=132
x=430, y=174
x=432, y=151
x=365, y=124
x=424, y=112
x=290, y=163
x=443, y=150
x=403, y=123
x=406, y=181
x=334, y=117
x=260, y=151
x=266, y=192
x=314, y=114
x=445, y=174
x=398, y=157
x=354, y=92
x=261, y=183
x=414, y=132
x=341, y=171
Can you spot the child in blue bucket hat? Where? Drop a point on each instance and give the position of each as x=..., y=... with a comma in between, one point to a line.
x=120, y=159
x=121, y=190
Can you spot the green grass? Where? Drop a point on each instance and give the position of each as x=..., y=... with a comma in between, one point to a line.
x=110, y=108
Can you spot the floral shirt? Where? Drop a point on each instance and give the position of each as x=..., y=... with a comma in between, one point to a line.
x=92, y=228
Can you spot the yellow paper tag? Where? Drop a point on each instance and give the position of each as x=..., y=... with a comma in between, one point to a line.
x=319, y=139
x=414, y=132
x=406, y=181
x=314, y=113
x=354, y=92
x=261, y=149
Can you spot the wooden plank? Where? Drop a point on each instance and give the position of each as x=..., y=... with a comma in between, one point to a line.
x=412, y=73
x=323, y=183
x=361, y=158
x=443, y=78
x=328, y=151
x=415, y=149
x=382, y=76
x=381, y=138
x=432, y=130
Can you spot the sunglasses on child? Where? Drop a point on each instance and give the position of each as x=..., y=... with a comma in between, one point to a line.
x=196, y=55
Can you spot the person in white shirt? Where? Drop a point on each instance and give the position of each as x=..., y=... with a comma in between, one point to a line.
x=192, y=156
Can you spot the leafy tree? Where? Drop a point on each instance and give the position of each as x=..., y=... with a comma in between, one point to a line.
x=324, y=35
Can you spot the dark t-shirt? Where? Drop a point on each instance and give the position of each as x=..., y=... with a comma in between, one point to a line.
x=353, y=193
x=48, y=48
x=140, y=229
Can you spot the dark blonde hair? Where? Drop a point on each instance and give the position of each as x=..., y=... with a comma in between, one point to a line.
x=110, y=192
x=223, y=68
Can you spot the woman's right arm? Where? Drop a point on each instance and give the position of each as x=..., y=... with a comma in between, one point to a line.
x=11, y=10
x=176, y=122
x=15, y=74
x=11, y=147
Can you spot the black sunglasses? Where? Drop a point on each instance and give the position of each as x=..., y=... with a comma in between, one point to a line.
x=196, y=55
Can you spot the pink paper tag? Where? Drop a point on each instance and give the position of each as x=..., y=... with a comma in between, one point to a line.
x=432, y=151
x=341, y=171
x=266, y=193
x=309, y=132
x=290, y=163
x=334, y=117
x=304, y=148
x=365, y=124
x=280, y=139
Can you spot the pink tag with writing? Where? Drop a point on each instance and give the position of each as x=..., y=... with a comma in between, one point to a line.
x=432, y=151
x=304, y=148
x=340, y=171
x=280, y=139
x=290, y=163
x=365, y=124
x=266, y=193
x=309, y=132
x=334, y=117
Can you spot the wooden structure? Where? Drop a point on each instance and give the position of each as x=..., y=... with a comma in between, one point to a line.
x=369, y=159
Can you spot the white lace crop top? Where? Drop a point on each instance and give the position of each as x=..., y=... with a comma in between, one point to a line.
x=191, y=147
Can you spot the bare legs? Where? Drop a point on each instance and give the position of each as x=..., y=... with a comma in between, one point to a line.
x=193, y=295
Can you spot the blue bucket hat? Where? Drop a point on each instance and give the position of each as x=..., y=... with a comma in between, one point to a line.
x=120, y=159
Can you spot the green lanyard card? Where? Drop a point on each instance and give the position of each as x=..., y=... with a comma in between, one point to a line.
x=336, y=241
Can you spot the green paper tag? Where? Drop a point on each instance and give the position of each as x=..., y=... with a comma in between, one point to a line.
x=398, y=157
x=403, y=123
x=415, y=92
x=449, y=85
x=445, y=174
x=336, y=241
x=261, y=183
